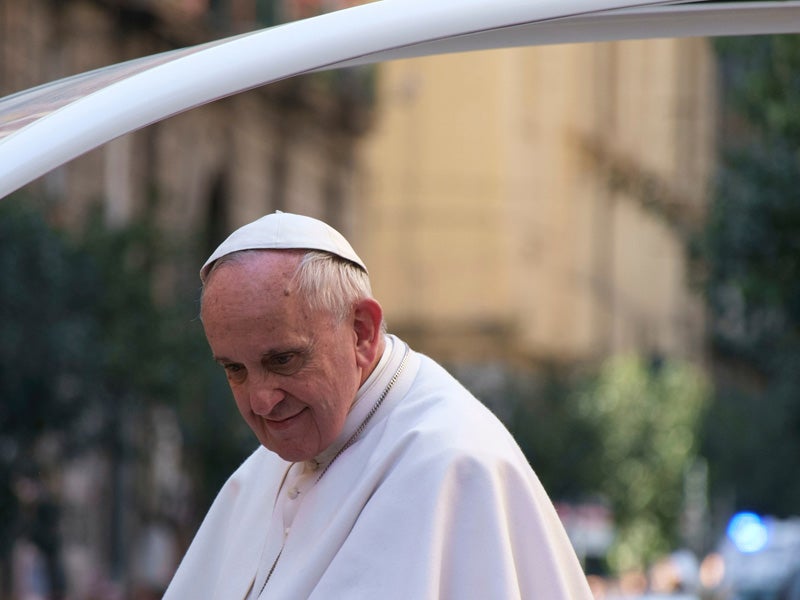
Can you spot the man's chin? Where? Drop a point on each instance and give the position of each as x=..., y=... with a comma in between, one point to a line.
x=291, y=446
x=291, y=454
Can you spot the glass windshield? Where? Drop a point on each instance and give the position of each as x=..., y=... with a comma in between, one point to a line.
x=25, y=107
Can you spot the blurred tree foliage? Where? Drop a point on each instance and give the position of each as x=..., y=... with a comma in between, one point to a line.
x=648, y=414
x=624, y=435
x=45, y=378
x=750, y=251
x=547, y=427
x=86, y=351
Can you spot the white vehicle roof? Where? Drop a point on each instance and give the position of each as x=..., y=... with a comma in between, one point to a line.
x=43, y=128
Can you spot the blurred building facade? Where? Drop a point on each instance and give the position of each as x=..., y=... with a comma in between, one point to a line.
x=289, y=146
x=534, y=204
x=527, y=204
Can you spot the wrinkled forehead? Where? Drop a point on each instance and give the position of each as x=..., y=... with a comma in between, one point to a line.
x=247, y=279
x=259, y=264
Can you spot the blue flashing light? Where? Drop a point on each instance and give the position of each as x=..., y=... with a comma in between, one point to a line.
x=748, y=532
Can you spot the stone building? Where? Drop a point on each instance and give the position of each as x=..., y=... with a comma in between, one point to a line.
x=290, y=145
x=525, y=204
x=533, y=205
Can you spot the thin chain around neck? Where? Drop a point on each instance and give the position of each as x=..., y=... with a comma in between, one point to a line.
x=370, y=414
x=349, y=443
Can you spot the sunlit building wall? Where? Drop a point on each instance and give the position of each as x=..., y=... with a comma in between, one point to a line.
x=534, y=204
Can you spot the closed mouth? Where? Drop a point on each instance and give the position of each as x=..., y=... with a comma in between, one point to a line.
x=285, y=421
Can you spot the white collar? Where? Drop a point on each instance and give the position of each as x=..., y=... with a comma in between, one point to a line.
x=366, y=397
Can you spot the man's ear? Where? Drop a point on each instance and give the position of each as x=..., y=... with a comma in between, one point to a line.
x=367, y=320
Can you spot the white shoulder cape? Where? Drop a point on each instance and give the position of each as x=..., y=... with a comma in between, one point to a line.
x=434, y=501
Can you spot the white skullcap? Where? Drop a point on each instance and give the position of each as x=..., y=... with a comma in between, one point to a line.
x=284, y=231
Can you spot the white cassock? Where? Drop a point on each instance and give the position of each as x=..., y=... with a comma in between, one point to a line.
x=431, y=499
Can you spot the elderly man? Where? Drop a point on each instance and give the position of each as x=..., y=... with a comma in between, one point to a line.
x=378, y=475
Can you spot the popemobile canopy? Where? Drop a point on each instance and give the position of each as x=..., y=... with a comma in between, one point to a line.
x=47, y=126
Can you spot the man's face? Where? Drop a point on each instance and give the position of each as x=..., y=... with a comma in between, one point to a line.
x=294, y=373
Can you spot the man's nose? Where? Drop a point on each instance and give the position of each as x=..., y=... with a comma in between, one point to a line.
x=265, y=396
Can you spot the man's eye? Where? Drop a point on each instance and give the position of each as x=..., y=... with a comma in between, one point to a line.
x=285, y=363
x=234, y=372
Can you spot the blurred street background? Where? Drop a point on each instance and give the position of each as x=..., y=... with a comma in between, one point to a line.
x=602, y=241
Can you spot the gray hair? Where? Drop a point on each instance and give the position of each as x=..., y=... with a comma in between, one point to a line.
x=325, y=281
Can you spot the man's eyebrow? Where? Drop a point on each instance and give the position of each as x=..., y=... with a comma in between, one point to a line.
x=271, y=352
x=304, y=349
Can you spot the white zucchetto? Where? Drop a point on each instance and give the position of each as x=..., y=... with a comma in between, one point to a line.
x=284, y=231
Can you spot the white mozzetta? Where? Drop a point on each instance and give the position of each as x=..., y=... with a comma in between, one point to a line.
x=434, y=499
